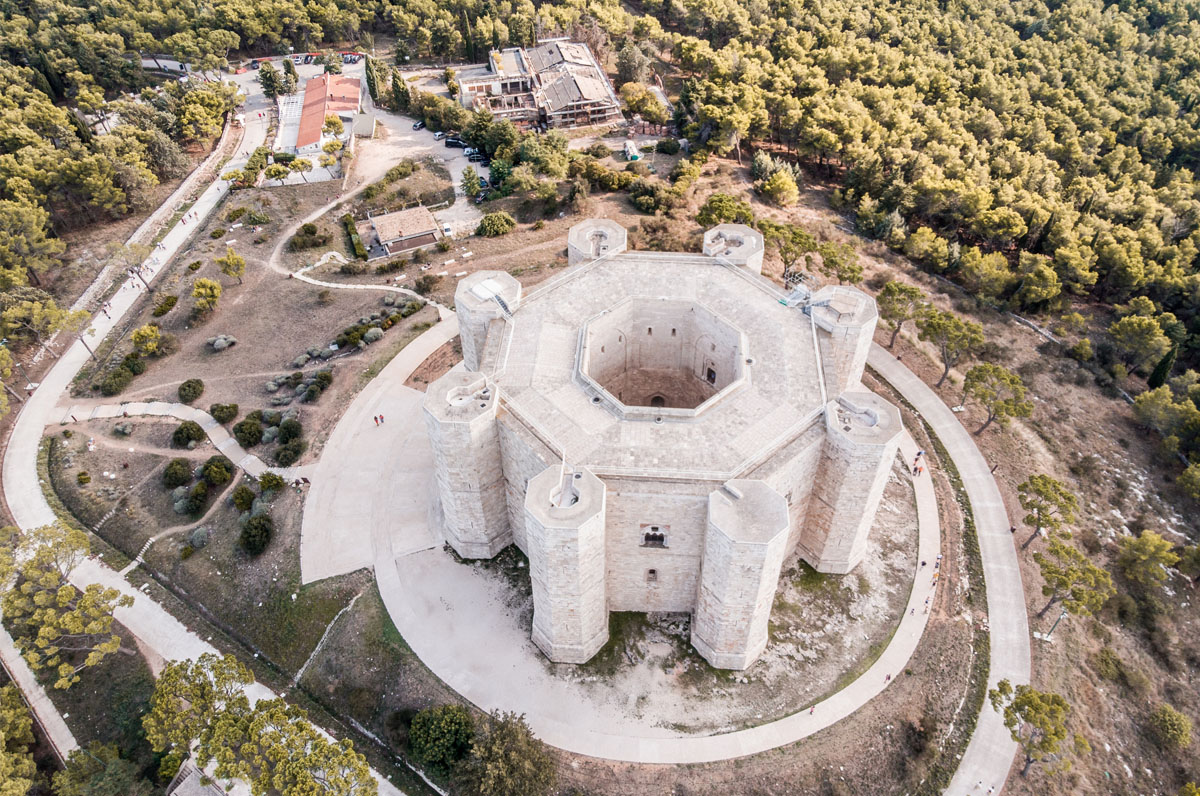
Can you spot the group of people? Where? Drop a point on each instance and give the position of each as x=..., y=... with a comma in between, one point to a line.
x=917, y=466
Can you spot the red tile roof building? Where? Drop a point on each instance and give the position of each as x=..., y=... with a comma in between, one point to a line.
x=326, y=95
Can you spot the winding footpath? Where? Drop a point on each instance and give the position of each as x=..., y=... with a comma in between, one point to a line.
x=153, y=625
x=990, y=753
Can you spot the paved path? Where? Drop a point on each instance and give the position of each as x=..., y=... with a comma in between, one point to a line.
x=989, y=755
x=452, y=619
x=152, y=624
x=354, y=504
x=39, y=702
x=222, y=440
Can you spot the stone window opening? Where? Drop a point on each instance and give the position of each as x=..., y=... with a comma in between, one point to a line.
x=652, y=576
x=649, y=330
x=654, y=537
x=658, y=401
x=711, y=376
x=672, y=332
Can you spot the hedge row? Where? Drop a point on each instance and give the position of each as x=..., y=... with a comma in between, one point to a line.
x=360, y=251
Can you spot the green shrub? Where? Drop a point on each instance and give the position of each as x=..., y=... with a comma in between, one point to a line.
x=219, y=232
x=165, y=305
x=197, y=497
x=308, y=237
x=235, y=213
x=257, y=534
x=598, y=150
x=116, y=381
x=443, y=245
x=324, y=378
x=188, y=431
x=271, y=482
x=223, y=413
x=441, y=736
x=289, y=430
x=134, y=364
x=1171, y=729
x=82, y=478
x=190, y=390
x=426, y=283
x=311, y=394
x=243, y=497
x=493, y=225
x=248, y=432
x=360, y=251
x=289, y=454
x=177, y=473
x=217, y=470
x=283, y=157
x=187, y=552
x=257, y=217
x=195, y=266
x=667, y=146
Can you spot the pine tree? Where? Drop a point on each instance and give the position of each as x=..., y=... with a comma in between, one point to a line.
x=1162, y=371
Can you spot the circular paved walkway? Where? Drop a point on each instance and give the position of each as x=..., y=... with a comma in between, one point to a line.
x=451, y=619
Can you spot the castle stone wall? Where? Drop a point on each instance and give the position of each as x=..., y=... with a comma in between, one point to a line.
x=565, y=530
x=460, y=415
x=863, y=433
x=744, y=548
x=523, y=456
x=679, y=510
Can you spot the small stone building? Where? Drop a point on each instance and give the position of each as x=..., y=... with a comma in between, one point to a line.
x=398, y=231
x=660, y=432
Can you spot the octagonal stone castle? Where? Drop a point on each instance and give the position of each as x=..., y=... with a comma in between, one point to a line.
x=660, y=432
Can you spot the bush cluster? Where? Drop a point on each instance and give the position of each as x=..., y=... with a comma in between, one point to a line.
x=667, y=146
x=360, y=251
x=197, y=497
x=235, y=213
x=190, y=390
x=257, y=534
x=195, y=266
x=117, y=380
x=82, y=478
x=271, y=482
x=496, y=224
x=257, y=217
x=219, y=232
x=391, y=266
x=351, y=335
x=289, y=454
x=217, y=471
x=188, y=431
x=243, y=497
x=308, y=237
x=598, y=176
x=255, y=164
x=177, y=473
x=165, y=305
x=248, y=432
x=441, y=736
x=223, y=413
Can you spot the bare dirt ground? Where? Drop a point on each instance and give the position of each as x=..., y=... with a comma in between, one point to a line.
x=437, y=365
x=273, y=318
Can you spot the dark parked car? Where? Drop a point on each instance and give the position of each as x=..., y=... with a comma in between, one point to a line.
x=308, y=59
x=418, y=125
x=475, y=157
x=454, y=142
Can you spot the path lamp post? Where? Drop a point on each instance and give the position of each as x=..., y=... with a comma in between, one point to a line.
x=16, y=361
x=1050, y=632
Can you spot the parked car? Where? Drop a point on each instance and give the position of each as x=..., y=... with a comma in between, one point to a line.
x=308, y=59
x=446, y=231
x=418, y=125
x=475, y=157
x=439, y=135
x=255, y=65
x=479, y=197
x=455, y=142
